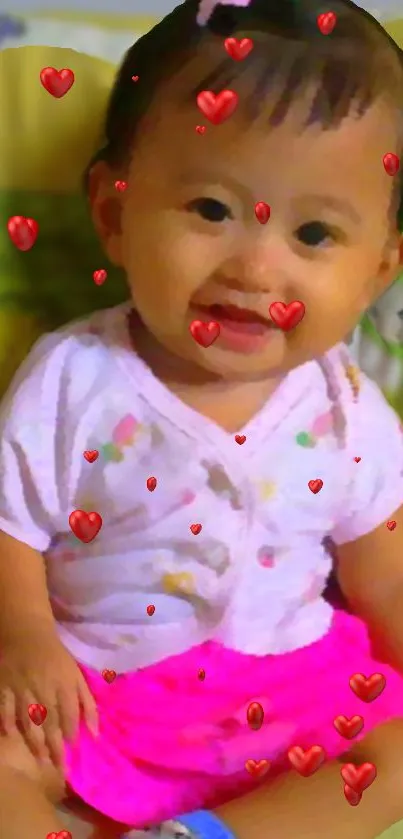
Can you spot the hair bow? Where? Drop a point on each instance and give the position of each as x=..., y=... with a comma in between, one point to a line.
x=207, y=7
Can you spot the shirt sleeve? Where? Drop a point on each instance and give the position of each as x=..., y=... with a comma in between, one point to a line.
x=376, y=485
x=29, y=430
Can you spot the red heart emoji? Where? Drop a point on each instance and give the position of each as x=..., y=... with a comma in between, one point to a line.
x=240, y=439
x=306, y=762
x=135, y=78
x=255, y=716
x=150, y=610
x=201, y=675
x=326, y=22
x=63, y=834
x=37, y=713
x=262, y=212
x=109, y=676
x=217, y=107
x=196, y=529
x=100, y=276
x=391, y=163
x=23, y=232
x=85, y=525
x=200, y=129
x=205, y=333
x=359, y=778
x=352, y=796
x=57, y=82
x=315, y=486
x=348, y=728
x=151, y=484
x=391, y=525
x=120, y=186
x=257, y=768
x=287, y=317
x=238, y=49
x=91, y=455
x=367, y=689
x=357, y=459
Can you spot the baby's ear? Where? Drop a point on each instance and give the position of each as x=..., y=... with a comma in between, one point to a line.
x=391, y=262
x=105, y=195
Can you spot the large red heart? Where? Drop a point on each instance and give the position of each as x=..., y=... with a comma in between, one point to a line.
x=91, y=455
x=348, y=728
x=57, y=82
x=286, y=317
x=205, y=333
x=85, y=525
x=306, y=762
x=367, y=689
x=217, y=107
x=23, y=232
x=37, y=713
x=238, y=49
x=358, y=778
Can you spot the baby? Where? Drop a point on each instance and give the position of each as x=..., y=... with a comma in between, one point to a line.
x=180, y=475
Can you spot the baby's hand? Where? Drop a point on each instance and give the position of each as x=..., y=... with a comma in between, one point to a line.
x=38, y=669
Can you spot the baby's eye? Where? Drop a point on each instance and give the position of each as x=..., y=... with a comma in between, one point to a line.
x=313, y=233
x=210, y=209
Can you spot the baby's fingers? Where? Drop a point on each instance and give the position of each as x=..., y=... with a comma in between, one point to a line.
x=69, y=712
x=88, y=706
x=7, y=710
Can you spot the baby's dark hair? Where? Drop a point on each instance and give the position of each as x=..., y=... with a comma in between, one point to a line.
x=353, y=66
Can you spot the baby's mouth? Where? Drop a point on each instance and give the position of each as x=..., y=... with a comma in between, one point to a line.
x=244, y=321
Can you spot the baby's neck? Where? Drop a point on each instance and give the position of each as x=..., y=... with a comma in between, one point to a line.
x=230, y=403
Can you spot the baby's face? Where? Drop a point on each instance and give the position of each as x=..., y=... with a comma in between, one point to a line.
x=190, y=242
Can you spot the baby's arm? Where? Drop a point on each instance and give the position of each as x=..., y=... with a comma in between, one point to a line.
x=24, y=603
x=370, y=573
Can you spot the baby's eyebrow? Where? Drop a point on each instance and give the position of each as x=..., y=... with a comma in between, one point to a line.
x=331, y=202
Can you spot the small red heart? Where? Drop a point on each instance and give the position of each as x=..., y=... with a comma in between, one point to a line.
x=348, y=728
x=306, y=762
x=135, y=78
x=23, y=232
x=91, y=455
x=201, y=675
x=316, y=485
x=359, y=778
x=217, y=107
x=121, y=186
x=357, y=459
x=391, y=163
x=109, y=676
x=326, y=22
x=150, y=610
x=57, y=82
x=257, y=768
x=286, y=317
x=238, y=49
x=200, y=129
x=63, y=834
x=240, y=439
x=196, y=529
x=85, y=526
x=352, y=796
x=262, y=212
x=151, y=484
x=37, y=713
x=205, y=333
x=100, y=276
x=391, y=525
x=368, y=689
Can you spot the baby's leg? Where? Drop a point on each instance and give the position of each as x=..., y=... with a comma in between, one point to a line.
x=315, y=807
x=27, y=792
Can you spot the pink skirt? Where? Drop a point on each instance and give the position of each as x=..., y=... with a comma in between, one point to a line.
x=171, y=742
